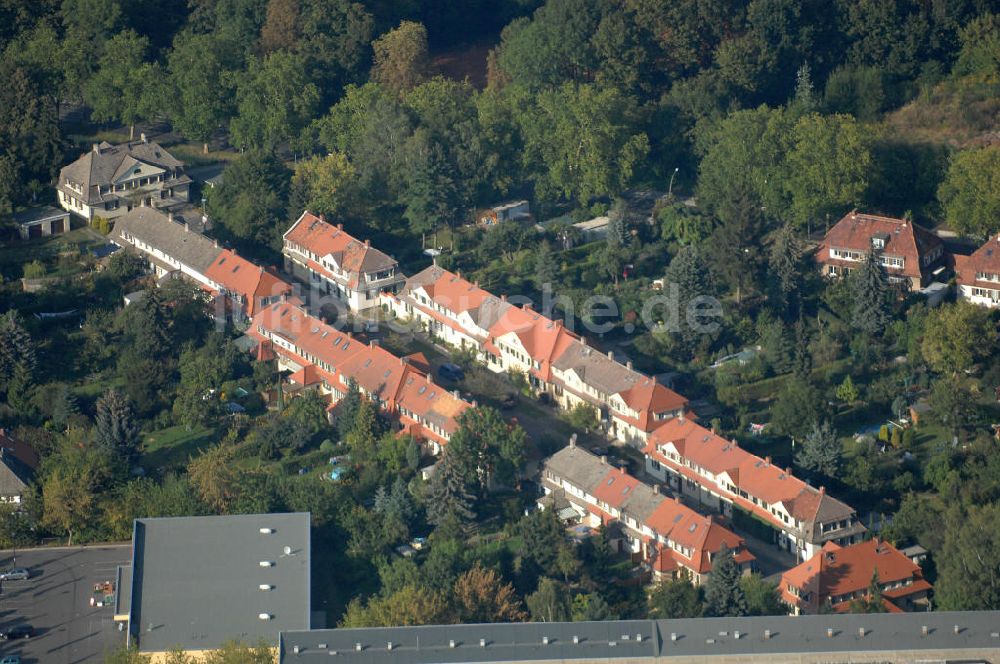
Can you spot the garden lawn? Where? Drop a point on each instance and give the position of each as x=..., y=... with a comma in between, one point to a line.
x=171, y=448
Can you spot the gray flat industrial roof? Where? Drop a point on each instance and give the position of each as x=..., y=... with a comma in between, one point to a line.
x=659, y=639
x=196, y=581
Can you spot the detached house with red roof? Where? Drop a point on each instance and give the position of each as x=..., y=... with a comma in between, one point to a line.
x=909, y=252
x=322, y=357
x=335, y=263
x=674, y=540
x=978, y=275
x=553, y=359
x=696, y=463
x=837, y=575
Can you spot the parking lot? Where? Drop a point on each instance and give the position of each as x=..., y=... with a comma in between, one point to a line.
x=56, y=602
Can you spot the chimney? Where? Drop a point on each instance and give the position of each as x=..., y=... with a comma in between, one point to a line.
x=216, y=243
x=788, y=471
x=322, y=217
x=170, y=216
x=527, y=306
x=142, y=137
x=628, y=365
x=767, y=460
x=476, y=283
x=822, y=490
x=97, y=148
x=604, y=459
x=611, y=355
x=458, y=273
x=340, y=227
x=187, y=227
x=503, y=298
x=368, y=243
x=656, y=489
x=572, y=440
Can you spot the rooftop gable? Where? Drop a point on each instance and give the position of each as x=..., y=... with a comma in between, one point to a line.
x=325, y=239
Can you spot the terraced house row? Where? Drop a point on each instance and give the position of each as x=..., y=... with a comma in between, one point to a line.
x=694, y=462
x=237, y=287
x=555, y=361
x=675, y=541
x=324, y=358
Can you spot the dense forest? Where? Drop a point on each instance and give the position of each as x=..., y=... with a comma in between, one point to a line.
x=756, y=124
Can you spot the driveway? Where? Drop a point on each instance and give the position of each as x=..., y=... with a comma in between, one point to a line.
x=56, y=602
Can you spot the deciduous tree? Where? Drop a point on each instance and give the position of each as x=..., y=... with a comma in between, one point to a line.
x=970, y=193
x=481, y=596
x=400, y=57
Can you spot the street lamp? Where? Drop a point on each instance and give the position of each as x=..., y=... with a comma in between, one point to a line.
x=670, y=189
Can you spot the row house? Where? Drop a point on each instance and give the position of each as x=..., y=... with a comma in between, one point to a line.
x=238, y=287
x=324, y=358
x=910, y=253
x=673, y=539
x=333, y=262
x=110, y=180
x=696, y=463
x=837, y=575
x=978, y=275
x=555, y=361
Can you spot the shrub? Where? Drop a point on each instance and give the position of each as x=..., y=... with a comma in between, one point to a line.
x=34, y=270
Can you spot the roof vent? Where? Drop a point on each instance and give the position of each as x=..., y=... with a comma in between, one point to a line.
x=576, y=639
x=958, y=630
x=267, y=531
x=767, y=634
x=829, y=632
x=451, y=643
x=545, y=640
x=924, y=630
x=296, y=649
x=673, y=636
x=861, y=632
x=267, y=563
x=264, y=616
x=388, y=646
x=358, y=647
x=482, y=643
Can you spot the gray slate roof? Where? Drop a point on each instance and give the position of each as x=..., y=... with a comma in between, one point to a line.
x=14, y=475
x=195, y=580
x=578, y=466
x=597, y=369
x=101, y=166
x=792, y=638
x=157, y=230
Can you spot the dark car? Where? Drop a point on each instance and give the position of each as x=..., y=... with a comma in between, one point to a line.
x=451, y=371
x=17, y=632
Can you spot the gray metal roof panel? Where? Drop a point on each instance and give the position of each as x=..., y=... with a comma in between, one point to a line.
x=705, y=638
x=196, y=580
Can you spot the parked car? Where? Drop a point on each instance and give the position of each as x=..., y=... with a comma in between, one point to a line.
x=11, y=659
x=451, y=371
x=17, y=632
x=15, y=574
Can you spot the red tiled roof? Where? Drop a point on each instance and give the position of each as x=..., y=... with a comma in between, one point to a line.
x=752, y=474
x=902, y=238
x=238, y=275
x=19, y=450
x=328, y=354
x=324, y=239
x=615, y=488
x=837, y=571
x=985, y=259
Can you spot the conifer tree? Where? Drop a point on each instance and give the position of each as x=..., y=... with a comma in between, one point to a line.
x=723, y=594
x=115, y=426
x=871, y=313
x=618, y=233
x=545, y=269
x=449, y=503
x=821, y=451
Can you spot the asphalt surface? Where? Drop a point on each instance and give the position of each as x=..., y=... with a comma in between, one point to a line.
x=56, y=602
